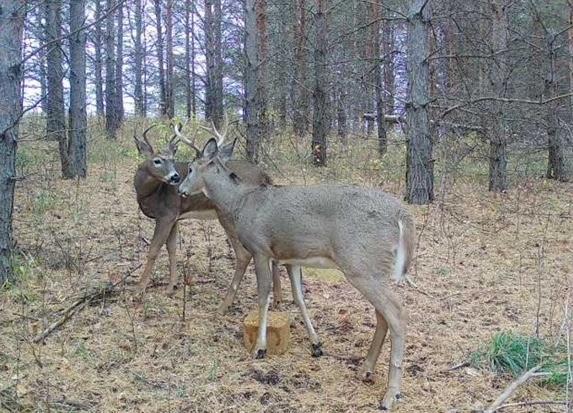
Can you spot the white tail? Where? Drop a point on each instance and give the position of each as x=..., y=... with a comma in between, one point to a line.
x=400, y=263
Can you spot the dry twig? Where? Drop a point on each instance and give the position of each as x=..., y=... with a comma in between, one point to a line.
x=496, y=405
x=81, y=303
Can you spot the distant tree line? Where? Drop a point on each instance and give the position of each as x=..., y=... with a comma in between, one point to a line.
x=498, y=70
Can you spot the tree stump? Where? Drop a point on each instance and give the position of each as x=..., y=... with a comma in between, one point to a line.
x=278, y=331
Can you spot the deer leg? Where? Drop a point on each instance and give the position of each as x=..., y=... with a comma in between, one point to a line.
x=388, y=305
x=277, y=290
x=262, y=268
x=375, y=347
x=162, y=231
x=172, y=251
x=242, y=257
x=295, y=273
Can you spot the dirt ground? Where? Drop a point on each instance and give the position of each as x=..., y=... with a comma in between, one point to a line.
x=485, y=263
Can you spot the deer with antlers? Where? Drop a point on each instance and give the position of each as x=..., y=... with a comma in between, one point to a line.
x=365, y=233
x=155, y=183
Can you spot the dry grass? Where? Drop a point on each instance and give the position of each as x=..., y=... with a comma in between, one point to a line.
x=485, y=264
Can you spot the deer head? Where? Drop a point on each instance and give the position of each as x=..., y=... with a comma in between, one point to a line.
x=210, y=160
x=160, y=165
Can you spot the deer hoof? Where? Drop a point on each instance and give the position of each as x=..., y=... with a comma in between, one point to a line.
x=260, y=354
x=223, y=308
x=367, y=377
x=389, y=398
x=317, y=350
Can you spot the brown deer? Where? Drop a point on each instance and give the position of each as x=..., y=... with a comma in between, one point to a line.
x=365, y=233
x=155, y=184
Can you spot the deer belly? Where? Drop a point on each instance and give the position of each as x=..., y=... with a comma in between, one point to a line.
x=204, y=215
x=315, y=262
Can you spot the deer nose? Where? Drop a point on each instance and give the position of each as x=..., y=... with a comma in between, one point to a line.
x=175, y=178
x=182, y=193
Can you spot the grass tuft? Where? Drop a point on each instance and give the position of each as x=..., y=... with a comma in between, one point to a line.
x=511, y=353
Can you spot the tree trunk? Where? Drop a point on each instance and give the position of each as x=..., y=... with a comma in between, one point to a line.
x=497, y=124
x=119, y=66
x=190, y=59
x=160, y=57
x=419, y=161
x=11, y=30
x=262, y=69
x=378, y=81
x=388, y=49
x=320, y=114
x=218, y=105
x=77, y=151
x=300, y=101
x=342, y=127
x=214, y=61
x=251, y=78
x=169, y=94
x=98, y=46
x=111, y=120
x=55, y=110
x=138, y=60
x=570, y=48
x=554, y=112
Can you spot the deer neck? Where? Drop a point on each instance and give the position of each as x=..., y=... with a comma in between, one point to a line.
x=227, y=195
x=145, y=183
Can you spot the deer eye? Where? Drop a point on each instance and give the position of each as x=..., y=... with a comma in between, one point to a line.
x=190, y=169
x=157, y=161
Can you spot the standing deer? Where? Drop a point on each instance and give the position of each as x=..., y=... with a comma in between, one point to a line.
x=155, y=184
x=365, y=233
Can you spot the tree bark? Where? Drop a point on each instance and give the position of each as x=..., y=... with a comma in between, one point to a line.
x=11, y=31
x=191, y=108
x=554, y=116
x=378, y=80
x=388, y=49
x=111, y=120
x=169, y=94
x=497, y=125
x=262, y=69
x=341, y=119
x=160, y=58
x=214, y=61
x=320, y=114
x=251, y=79
x=138, y=60
x=77, y=151
x=419, y=161
x=218, y=74
x=98, y=46
x=300, y=101
x=56, y=115
x=119, y=66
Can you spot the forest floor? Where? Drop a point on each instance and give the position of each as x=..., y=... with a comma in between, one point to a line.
x=485, y=263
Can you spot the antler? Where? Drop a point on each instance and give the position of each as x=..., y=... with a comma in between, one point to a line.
x=145, y=133
x=213, y=130
x=187, y=141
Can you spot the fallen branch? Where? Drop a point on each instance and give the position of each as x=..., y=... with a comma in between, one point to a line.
x=511, y=389
x=82, y=303
x=533, y=403
x=458, y=366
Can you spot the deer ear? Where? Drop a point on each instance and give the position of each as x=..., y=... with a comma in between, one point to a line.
x=143, y=148
x=226, y=151
x=210, y=150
